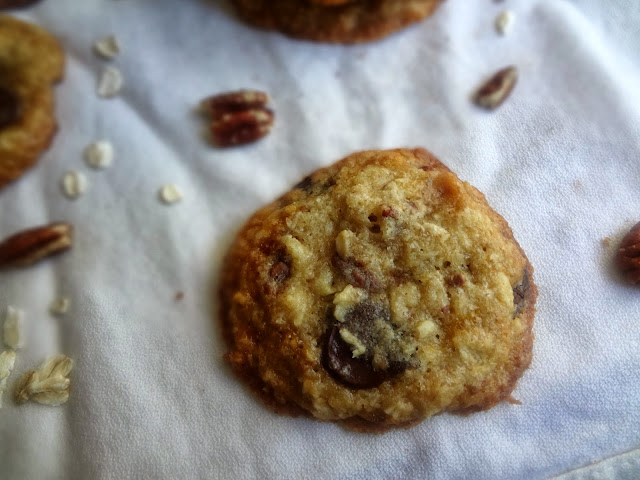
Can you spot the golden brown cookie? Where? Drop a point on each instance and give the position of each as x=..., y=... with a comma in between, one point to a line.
x=337, y=21
x=31, y=60
x=378, y=292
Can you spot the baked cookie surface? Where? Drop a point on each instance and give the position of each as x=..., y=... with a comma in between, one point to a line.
x=378, y=292
x=31, y=60
x=337, y=21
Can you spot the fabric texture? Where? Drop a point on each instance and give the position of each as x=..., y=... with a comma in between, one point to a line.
x=151, y=396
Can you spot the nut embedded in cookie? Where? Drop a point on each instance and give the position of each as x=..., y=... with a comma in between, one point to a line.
x=430, y=311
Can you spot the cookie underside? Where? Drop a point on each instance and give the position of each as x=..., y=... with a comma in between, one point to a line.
x=380, y=291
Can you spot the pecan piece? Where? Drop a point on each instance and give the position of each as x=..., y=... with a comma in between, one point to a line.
x=239, y=117
x=356, y=273
x=628, y=255
x=239, y=128
x=224, y=103
x=497, y=88
x=29, y=246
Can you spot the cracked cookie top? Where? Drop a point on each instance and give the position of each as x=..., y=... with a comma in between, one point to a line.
x=379, y=291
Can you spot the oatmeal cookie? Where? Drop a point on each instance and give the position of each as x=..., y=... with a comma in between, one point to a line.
x=337, y=21
x=31, y=60
x=378, y=292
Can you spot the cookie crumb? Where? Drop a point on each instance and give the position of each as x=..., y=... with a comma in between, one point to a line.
x=12, y=330
x=107, y=47
x=74, y=184
x=110, y=82
x=606, y=242
x=179, y=296
x=99, y=154
x=170, y=193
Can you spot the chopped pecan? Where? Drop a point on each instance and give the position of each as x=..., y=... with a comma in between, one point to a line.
x=356, y=273
x=456, y=280
x=628, y=255
x=29, y=246
x=497, y=88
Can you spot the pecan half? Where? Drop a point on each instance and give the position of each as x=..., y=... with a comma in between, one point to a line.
x=29, y=246
x=497, y=88
x=628, y=255
x=239, y=128
x=224, y=103
x=239, y=117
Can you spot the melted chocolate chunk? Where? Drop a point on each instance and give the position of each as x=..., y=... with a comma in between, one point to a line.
x=354, y=372
x=520, y=293
x=7, y=4
x=369, y=369
x=9, y=107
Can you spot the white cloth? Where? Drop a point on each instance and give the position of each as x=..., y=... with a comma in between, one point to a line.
x=151, y=396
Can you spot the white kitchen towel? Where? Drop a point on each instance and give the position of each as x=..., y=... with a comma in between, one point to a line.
x=151, y=396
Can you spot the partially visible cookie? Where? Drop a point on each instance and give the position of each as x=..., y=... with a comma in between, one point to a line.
x=337, y=21
x=378, y=292
x=31, y=60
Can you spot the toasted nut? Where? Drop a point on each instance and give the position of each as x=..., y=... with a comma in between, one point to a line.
x=237, y=101
x=497, y=88
x=28, y=247
x=239, y=128
x=628, y=256
x=238, y=117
